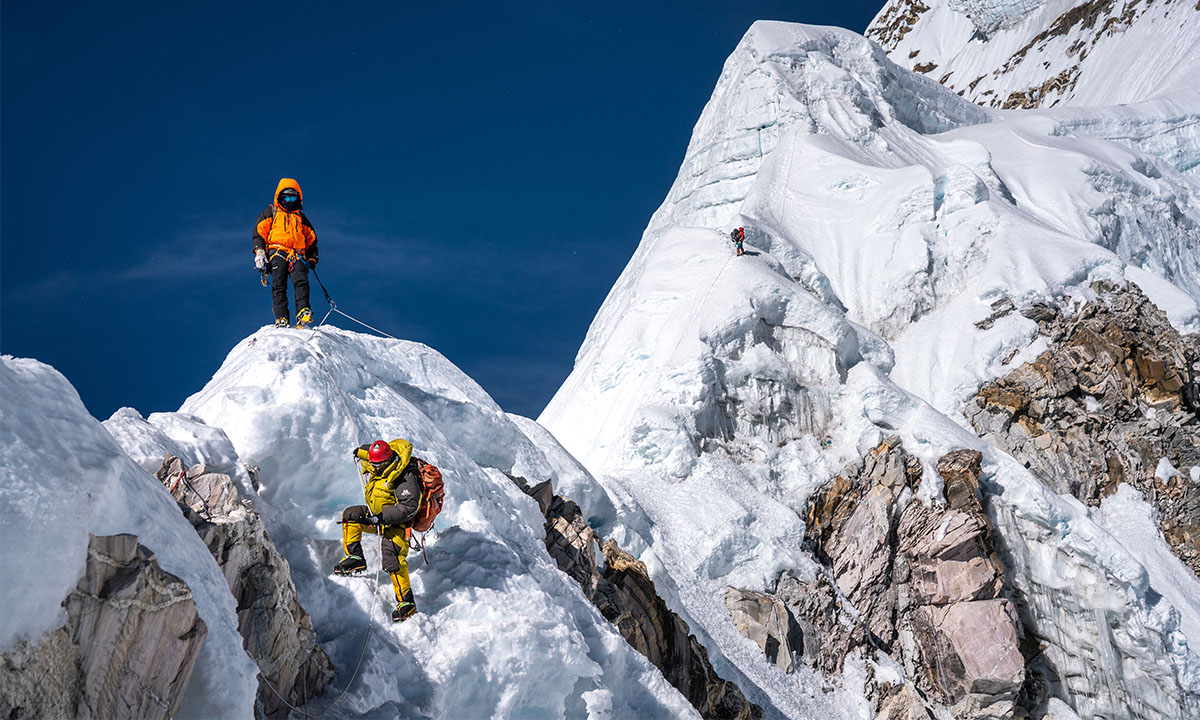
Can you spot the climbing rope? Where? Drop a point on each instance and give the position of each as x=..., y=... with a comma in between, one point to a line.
x=695, y=310
x=357, y=666
x=345, y=403
x=333, y=308
x=370, y=609
x=188, y=484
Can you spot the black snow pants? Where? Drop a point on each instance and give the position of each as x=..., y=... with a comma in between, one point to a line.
x=281, y=269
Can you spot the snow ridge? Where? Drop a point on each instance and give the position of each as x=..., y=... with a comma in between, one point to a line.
x=52, y=499
x=499, y=627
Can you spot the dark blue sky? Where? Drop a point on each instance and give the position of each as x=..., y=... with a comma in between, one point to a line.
x=478, y=174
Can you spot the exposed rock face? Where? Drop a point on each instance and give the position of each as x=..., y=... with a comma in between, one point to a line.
x=921, y=584
x=925, y=578
x=277, y=632
x=1116, y=393
x=895, y=20
x=625, y=595
x=127, y=650
x=767, y=621
x=830, y=629
x=1038, y=53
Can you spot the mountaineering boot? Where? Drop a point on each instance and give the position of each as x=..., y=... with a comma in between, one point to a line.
x=303, y=318
x=403, y=611
x=350, y=565
x=281, y=322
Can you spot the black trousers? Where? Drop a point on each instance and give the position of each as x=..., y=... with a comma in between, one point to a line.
x=279, y=279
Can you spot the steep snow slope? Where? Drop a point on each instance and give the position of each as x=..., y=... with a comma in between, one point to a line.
x=1041, y=53
x=63, y=476
x=501, y=631
x=884, y=215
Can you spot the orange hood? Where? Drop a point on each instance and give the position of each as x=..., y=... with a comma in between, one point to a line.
x=288, y=183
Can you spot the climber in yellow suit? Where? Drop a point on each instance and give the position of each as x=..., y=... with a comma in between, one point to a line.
x=393, y=494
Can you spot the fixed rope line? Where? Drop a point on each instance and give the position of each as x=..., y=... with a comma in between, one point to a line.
x=333, y=308
x=357, y=666
x=315, y=352
x=348, y=683
x=691, y=318
x=370, y=609
x=360, y=322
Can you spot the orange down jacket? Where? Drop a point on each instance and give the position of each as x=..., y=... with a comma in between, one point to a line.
x=279, y=230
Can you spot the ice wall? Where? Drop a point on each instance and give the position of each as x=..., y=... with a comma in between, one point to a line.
x=885, y=218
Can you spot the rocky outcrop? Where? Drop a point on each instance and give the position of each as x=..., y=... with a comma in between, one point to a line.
x=127, y=649
x=276, y=630
x=925, y=578
x=1114, y=395
x=625, y=595
x=1032, y=53
x=919, y=583
x=766, y=620
x=895, y=21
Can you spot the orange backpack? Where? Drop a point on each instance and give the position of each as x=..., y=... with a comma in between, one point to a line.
x=433, y=492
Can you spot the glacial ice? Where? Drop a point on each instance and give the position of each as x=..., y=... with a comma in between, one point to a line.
x=884, y=219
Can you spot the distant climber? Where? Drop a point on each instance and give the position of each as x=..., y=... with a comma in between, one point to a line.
x=738, y=236
x=285, y=244
x=393, y=494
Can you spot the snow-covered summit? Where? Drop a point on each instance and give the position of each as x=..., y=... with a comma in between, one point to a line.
x=782, y=75
x=500, y=630
x=1042, y=53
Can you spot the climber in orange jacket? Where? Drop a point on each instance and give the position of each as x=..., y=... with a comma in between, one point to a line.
x=286, y=244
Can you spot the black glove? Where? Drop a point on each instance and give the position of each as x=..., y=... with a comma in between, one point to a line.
x=312, y=264
x=375, y=520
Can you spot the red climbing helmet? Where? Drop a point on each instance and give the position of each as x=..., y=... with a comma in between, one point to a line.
x=379, y=452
